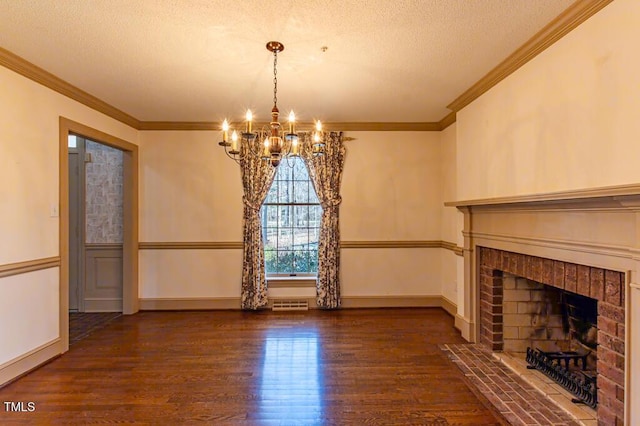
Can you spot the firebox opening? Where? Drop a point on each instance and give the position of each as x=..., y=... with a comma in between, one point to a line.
x=549, y=319
x=555, y=331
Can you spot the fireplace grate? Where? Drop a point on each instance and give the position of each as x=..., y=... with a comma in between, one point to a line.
x=582, y=384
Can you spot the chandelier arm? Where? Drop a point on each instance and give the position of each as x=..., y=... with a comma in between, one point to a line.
x=235, y=158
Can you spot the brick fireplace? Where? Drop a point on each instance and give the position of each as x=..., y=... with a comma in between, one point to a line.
x=603, y=285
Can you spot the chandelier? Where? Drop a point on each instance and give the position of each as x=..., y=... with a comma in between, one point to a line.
x=276, y=145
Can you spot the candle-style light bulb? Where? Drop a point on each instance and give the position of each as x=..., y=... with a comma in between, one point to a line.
x=316, y=137
x=225, y=130
x=266, y=153
x=234, y=141
x=292, y=121
x=318, y=126
x=294, y=146
x=249, y=118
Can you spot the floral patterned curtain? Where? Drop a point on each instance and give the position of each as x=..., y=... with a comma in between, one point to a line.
x=257, y=176
x=326, y=174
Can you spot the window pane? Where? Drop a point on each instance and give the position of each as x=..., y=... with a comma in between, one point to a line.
x=270, y=226
x=270, y=238
x=313, y=260
x=285, y=216
x=301, y=239
x=313, y=197
x=272, y=195
x=301, y=192
x=315, y=216
x=300, y=171
x=270, y=261
x=283, y=173
x=285, y=262
x=290, y=224
x=301, y=216
x=314, y=237
x=301, y=262
x=285, y=191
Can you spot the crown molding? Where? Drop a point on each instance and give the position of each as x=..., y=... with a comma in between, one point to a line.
x=37, y=74
x=383, y=127
x=573, y=16
x=336, y=126
x=448, y=120
x=179, y=125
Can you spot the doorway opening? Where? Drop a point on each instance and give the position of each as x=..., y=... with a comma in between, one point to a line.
x=95, y=235
x=95, y=226
x=98, y=250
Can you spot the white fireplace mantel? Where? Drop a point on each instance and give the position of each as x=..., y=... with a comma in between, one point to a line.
x=597, y=227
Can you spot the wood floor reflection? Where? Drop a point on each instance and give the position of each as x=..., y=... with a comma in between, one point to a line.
x=373, y=366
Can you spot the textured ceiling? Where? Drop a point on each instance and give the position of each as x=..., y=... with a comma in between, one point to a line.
x=203, y=60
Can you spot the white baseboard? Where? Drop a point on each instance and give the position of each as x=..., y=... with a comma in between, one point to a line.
x=15, y=368
x=449, y=306
x=187, y=304
x=348, y=302
x=465, y=326
x=391, y=301
x=103, y=305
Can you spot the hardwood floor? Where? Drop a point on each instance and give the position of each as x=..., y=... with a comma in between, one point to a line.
x=371, y=366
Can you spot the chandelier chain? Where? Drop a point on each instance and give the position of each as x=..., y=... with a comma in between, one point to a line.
x=275, y=78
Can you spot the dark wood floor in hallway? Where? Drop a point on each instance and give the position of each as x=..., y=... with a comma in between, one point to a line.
x=370, y=366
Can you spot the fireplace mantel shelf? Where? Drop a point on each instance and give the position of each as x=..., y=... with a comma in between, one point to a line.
x=620, y=196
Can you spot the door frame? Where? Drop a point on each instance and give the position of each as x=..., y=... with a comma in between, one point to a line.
x=130, y=298
x=80, y=239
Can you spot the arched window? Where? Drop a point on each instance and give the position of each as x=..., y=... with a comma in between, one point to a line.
x=291, y=216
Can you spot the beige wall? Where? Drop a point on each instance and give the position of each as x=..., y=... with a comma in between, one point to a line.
x=26, y=329
x=29, y=120
x=391, y=187
x=190, y=191
x=391, y=190
x=566, y=120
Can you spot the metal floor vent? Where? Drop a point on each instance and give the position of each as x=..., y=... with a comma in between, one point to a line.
x=290, y=305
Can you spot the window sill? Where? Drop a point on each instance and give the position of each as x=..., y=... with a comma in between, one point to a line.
x=276, y=282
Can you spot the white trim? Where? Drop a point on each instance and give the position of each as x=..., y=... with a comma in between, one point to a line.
x=464, y=326
x=348, y=302
x=449, y=306
x=574, y=246
x=94, y=304
x=285, y=281
x=409, y=301
x=13, y=369
x=186, y=304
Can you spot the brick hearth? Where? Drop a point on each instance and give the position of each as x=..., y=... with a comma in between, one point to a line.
x=606, y=286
